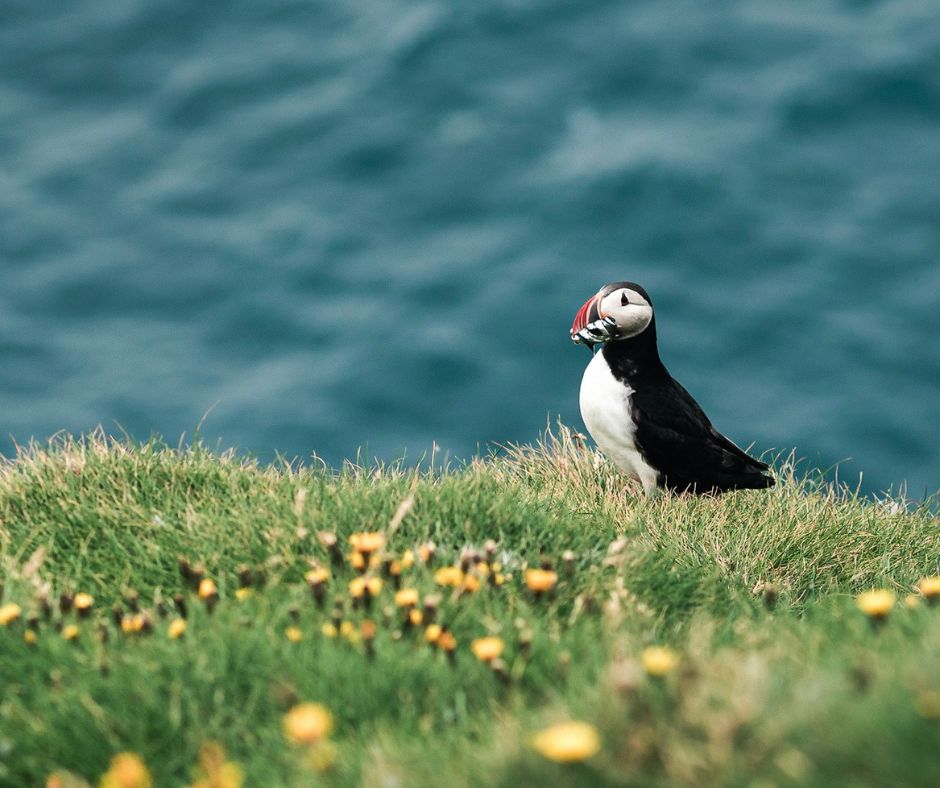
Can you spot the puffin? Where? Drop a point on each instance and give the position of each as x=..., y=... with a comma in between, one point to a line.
x=644, y=421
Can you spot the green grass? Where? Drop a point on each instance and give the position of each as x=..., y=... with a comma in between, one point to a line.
x=806, y=691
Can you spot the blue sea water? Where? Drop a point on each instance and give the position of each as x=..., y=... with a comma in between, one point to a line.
x=369, y=224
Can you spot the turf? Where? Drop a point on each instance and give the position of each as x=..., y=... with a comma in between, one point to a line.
x=780, y=680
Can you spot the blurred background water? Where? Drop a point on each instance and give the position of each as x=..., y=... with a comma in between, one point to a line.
x=370, y=223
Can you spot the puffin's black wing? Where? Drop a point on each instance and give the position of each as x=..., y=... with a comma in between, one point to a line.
x=677, y=438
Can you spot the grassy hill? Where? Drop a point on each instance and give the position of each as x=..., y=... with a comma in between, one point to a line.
x=779, y=678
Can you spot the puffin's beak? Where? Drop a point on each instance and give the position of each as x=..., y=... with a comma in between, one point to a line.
x=586, y=314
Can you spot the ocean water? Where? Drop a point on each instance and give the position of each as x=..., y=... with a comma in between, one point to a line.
x=366, y=226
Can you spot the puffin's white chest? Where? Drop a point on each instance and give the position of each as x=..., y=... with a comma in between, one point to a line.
x=605, y=409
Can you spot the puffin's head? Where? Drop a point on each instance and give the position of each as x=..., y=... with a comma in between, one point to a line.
x=625, y=306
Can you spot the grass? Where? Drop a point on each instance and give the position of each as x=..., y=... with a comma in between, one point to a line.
x=780, y=679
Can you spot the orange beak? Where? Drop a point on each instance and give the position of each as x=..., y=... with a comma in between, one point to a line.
x=586, y=314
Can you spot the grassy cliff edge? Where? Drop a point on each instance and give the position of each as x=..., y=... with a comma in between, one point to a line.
x=779, y=678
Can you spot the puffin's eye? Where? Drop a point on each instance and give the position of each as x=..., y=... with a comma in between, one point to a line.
x=623, y=298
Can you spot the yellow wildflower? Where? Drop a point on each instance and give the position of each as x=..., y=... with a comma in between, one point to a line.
x=9, y=613
x=415, y=617
x=540, y=580
x=127, y=770
x=470, y=583
x=29, y=637
x=432, y=633
x=911, y=601
x=567, y=742
x=318, y=575
x=360, y=585
x=658, y=660
x=407, y=559
x=449, y=576
x=328, y=630
x=447, y=641
x=487, y=649
x=133, y=623
x=426, y=552
x=307, y=723
x=294, y=634
x=357, y=561
x=930, y=588
x=217, y=772
x=243, y=593
x=83, y=601
x=367, y=542
x=407, y=597
x=207, y=589
x=71, y=632
x=177, y=628
x=347, y=629
x=876, y=604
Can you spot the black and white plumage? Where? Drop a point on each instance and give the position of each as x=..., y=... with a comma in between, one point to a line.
x=647, y=424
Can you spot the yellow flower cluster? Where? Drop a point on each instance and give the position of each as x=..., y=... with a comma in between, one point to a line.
x=416, y=614
x=128, y=770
